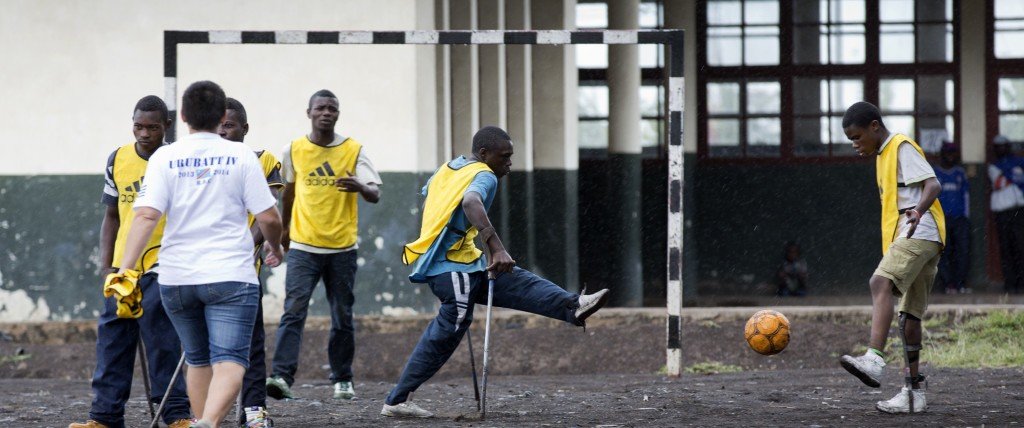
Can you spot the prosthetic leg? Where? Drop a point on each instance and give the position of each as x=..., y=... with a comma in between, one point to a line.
x=911, y=354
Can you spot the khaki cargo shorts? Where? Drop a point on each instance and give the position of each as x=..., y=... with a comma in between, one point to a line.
x=911, y=264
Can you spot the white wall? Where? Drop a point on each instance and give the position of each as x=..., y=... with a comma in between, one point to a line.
x=71, y=72
x=376, y=86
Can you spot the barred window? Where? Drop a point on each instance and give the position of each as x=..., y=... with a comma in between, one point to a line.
x=897, y=54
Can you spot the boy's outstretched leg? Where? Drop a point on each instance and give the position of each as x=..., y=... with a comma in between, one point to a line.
x=525, y=291
x=869, y=367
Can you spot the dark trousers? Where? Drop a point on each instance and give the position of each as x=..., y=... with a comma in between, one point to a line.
x=955, y=261
x=117, y=342
x=305, y=269
x=254, y=385
x=459, y=292
x=1011, y=248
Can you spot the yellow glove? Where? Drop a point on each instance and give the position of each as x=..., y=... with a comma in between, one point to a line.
x=124, y=287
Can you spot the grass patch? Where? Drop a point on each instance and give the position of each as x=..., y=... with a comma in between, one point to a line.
x=5, y=359
x=994, y=340
x=709, y=324
x=712, y=367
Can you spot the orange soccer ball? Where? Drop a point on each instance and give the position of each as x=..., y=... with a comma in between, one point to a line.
x=767, y=332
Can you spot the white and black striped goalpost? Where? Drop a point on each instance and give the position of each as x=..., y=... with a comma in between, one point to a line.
x=673, y=39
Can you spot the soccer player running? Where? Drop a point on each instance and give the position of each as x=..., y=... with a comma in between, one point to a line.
x=913, y=230
x=206, y=185
x=117, y=338
x=234, y=127
x=446, y=258
x=324, y=175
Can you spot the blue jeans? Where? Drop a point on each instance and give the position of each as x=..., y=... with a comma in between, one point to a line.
x=955, y=260
x=117, y=341
x=305, y=269
x=214, y=320
x=458, y=292
x=254, y=386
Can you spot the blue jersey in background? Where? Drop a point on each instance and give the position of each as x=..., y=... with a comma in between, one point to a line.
x=955, y=195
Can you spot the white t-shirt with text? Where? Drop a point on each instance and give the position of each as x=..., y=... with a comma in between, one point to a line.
x=206, y=186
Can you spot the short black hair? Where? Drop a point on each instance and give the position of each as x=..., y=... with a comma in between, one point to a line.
x=861, y=114
x=488, y=136
x=152, y=103
x=203, y=105
x=321, y=93
x=233, y=104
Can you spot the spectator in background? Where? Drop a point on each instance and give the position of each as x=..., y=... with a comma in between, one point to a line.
x=1007, y=176
x=955, y=201
x=791, y=277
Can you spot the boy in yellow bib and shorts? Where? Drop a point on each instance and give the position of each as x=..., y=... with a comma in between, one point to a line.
x=913, y=231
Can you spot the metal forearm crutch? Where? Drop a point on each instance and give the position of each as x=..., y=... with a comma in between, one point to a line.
x=167, y=392
x=472, y=364
x=487, y=344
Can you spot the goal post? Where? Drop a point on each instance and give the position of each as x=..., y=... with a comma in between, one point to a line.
x=672, y=39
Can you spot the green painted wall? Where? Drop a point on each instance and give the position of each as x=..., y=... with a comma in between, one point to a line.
x=554, y=222
x=49, y=235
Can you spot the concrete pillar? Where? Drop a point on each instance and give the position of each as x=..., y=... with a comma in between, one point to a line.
x=465, y=81
x=972, y=82
x=682, y=14
x=491, y=16
x=518, y=81
x=624, y=155
x=518, y=196
x=442, y=85
x=974, y=136
x=426, y=93
x=556, y=152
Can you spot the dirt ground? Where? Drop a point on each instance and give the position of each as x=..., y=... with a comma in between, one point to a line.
x=548, y=374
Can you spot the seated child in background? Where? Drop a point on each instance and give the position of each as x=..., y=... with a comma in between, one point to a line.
x=791, y=276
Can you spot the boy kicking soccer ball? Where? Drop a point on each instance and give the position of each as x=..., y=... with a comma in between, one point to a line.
x=913, y=232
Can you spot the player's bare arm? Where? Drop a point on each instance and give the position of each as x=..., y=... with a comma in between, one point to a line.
x=141, y=228
x=350, y=183
x=500, y=260
x=108, y=235
x=928, y=195
x=257, y=233
x=287, y=201
x=269, y=222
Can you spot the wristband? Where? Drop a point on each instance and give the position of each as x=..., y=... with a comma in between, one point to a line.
x=486, y=234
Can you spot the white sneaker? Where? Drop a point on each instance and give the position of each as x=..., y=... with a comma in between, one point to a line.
x=405, y=410
x=900, y=403
x=867, y=368
x=590, y=303
x=344, y=391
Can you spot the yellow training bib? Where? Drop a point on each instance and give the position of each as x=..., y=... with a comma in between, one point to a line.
x=444, y=194
x=322, y=216
x=885, y=174
x=128, y=172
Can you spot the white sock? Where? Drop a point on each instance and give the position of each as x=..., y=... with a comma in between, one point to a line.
x=253, y=412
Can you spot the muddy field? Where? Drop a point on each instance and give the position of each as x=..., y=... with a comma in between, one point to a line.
x=548, y=374
x=810, y=397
